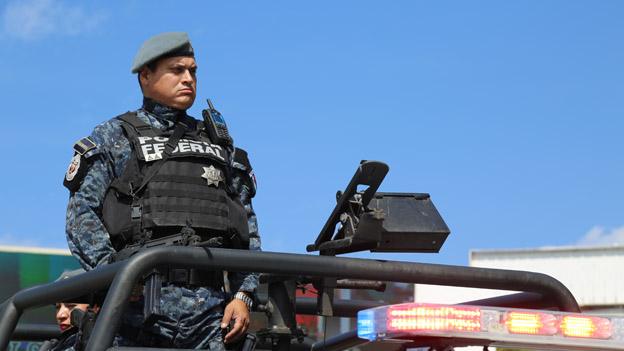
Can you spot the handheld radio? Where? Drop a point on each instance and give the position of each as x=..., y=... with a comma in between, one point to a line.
x=215, y=125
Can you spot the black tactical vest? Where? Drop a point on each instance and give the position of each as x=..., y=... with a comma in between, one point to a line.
x=192, y=187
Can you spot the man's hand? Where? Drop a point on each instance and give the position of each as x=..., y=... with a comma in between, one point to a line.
x=235, y=310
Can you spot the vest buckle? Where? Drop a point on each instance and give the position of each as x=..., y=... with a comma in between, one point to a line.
x=135, y=213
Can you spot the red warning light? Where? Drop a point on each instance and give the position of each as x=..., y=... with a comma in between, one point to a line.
x=532, y=323
x=586, y=327
x=419, y=317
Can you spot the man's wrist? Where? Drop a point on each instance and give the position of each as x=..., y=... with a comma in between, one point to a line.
x=243, y=296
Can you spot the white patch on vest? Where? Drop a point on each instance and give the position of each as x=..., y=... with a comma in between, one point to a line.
x=73, y=167
x=152, y=148
x=143, y=140
x=145, y=149
x=184, y=147
x=217, y=150
x=153, y=157
x=209, y=150
x=159, y=148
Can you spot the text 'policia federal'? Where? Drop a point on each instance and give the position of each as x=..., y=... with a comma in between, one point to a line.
x=153, y=147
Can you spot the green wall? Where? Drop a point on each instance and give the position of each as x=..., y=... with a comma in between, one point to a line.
x=20, y=270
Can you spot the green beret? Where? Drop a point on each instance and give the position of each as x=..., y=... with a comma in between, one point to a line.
x=162, y=45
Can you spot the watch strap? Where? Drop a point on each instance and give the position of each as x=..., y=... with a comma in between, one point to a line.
x=246, y=299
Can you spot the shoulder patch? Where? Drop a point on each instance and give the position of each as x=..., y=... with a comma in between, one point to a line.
x=84, y=145
x=77, y=167
x=75, y=173
x=73, y=168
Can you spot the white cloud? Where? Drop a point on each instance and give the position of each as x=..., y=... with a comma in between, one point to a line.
x=35, y=19
x=600, y=236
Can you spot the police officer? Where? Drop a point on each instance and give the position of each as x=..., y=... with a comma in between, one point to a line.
x=70, y=316
x=157, y=172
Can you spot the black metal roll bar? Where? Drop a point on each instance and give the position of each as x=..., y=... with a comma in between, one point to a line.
x=339, y=342
x=36, y=332
x=122, y=277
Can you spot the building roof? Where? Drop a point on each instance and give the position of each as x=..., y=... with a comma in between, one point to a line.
x=594, y=274
x=544, y=249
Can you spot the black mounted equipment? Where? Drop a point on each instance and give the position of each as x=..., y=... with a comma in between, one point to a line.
x=380, y=222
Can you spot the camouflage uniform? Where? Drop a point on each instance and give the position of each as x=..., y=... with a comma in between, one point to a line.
x=192, y=316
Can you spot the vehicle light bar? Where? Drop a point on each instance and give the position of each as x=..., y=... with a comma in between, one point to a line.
x=493, y=326
x=443, y=318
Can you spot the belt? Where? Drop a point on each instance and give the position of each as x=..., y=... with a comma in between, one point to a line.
x=192, y=277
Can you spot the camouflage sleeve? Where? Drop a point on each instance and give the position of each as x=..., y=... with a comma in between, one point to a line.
x=245, y=184
x=87, y=237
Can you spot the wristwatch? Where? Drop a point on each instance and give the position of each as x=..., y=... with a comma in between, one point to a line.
x=246, y=299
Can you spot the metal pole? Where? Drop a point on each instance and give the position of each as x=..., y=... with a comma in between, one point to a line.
x=361, y=284
x=519, y=300
x=8, y=321
x=342, y=308
x=282, y=323
x=298, y=264
x=339, y=342
x=67, y=289
x=36, y=332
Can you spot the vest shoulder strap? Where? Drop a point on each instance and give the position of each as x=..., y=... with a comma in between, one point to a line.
x=240, y=156
x=140, y=127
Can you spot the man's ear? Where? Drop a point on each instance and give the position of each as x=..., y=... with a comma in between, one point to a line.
x=144, y=76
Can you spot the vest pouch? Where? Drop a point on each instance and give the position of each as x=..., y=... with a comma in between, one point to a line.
x=116, y=216
x=171, y=204
x=239, y=226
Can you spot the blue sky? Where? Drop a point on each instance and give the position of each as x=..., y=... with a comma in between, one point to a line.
x=509, y=113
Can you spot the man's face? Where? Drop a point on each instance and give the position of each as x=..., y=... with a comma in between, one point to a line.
x=172, y=82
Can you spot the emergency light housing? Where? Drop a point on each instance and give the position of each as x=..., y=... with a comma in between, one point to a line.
x=468, y=325
x=380, y=222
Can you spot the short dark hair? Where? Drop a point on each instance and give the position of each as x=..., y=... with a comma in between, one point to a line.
x=151, y=66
